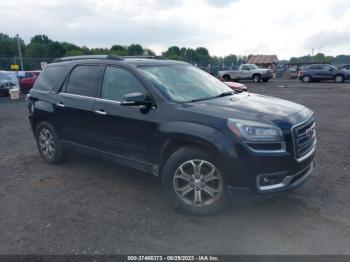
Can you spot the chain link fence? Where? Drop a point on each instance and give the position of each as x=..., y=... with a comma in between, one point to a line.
x=29, y=63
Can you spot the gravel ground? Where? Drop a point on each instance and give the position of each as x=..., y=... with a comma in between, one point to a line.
x=87, y=206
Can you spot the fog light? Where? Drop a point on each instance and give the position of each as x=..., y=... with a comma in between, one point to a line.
x=271, y=180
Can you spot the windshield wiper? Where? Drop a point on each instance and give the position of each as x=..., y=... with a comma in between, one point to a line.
x=228, y=93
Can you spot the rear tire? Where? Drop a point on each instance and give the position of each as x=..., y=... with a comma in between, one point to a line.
x=256, y=78
x=48, y=143
x=193, y=183
x=306, y=79
x=226, y=78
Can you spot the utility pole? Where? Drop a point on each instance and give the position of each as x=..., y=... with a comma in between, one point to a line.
x=19, y=52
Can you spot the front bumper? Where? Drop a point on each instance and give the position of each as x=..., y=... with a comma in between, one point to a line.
x=289, y=183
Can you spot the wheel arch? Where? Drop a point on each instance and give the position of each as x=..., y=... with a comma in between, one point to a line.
x=43, y=111
x=206, y=138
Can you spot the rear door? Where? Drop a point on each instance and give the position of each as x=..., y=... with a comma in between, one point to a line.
x=316, y=72
x=124, y=132
x=75, y=104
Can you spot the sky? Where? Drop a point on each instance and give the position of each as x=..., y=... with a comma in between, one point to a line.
x=283, y=27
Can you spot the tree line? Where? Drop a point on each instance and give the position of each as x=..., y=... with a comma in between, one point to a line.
x=43, y=49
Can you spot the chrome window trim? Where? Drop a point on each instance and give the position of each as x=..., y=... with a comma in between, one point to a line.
x=94, y=98
x=77, y=96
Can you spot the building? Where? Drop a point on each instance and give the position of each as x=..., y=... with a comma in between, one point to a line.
x=266, y=61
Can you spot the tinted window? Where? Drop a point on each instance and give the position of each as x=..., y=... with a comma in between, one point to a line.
x=84, y=80
x=315, y=67
x=48, y=77
x=245, y=67
x=118, y=82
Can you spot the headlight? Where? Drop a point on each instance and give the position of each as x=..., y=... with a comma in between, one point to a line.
x=255, y=131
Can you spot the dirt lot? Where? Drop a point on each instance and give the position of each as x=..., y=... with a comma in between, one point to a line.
x=87, y=206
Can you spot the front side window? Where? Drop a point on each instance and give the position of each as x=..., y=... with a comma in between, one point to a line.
x=184, y=83
x=118, y=82
x=245, y=67
x=84, y=80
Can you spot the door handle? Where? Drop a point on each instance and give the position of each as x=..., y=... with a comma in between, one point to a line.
x=101, y=112
x=60, y=104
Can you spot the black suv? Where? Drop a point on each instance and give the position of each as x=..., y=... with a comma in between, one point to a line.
x=175, y=121
x=319, y=72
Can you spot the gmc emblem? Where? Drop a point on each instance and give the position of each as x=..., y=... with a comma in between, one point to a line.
x=310, y=132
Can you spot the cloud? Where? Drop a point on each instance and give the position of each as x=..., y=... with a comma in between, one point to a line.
x=328, y=39
x=221, y=3
x=223, y=26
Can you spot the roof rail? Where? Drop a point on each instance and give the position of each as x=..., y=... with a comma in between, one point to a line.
x=84, y=57
x=110, y=57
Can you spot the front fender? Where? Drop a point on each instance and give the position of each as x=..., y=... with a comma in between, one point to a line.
x=206, y=136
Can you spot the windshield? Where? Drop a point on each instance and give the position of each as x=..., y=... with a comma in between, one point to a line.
x=184, y=83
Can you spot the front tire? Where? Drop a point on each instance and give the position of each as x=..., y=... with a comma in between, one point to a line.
x=339, y=79
x=48, y=143
x=193, y=183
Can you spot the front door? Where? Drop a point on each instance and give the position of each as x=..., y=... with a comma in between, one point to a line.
x=124, y=133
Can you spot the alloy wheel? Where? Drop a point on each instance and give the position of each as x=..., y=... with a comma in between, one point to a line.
x=198, y=183
x=47, y=143
x=339, y=79
x=306, y=79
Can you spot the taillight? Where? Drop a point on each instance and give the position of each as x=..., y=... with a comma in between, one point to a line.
x=301, y=73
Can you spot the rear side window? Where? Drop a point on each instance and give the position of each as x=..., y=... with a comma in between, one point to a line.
x=48, y=77
x=118, y=82
x=315, y=67
x=84, y=80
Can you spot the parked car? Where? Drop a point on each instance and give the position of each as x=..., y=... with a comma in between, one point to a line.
x=172, y=120
x=244, y=72
x=238, y=87
x=8, y=80
x=319, y=72
x=27, y=81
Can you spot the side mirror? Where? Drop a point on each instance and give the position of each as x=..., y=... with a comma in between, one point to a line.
x=136, y=99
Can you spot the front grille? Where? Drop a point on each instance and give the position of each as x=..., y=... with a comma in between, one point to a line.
x=304, y=137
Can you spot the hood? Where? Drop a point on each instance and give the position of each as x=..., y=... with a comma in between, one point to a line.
x=251, y=106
